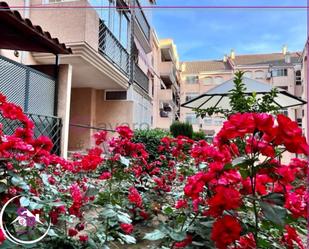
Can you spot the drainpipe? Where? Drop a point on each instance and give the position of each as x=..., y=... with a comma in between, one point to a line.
x=56, y=76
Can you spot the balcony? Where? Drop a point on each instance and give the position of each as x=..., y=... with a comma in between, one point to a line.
x=141, y=79
x=142, y=28
x=168, y=73
x=111, y=48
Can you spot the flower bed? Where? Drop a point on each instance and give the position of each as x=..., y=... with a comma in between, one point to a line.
x=234, y=193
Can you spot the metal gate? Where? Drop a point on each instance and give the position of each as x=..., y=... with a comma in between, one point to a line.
x=35, y=93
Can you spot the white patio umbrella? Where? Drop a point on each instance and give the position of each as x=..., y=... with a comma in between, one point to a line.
x=219, y=95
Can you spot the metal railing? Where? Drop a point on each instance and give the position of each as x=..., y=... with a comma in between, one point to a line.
x=141, y=78
x=48, y=126
x=142, y=21
x=111, y=48
x=34, y=91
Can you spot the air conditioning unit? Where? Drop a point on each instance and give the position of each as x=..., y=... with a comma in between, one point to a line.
x=163, y=114
x=167, y=107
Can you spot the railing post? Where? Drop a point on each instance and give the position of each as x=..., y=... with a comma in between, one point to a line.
x=27, y=89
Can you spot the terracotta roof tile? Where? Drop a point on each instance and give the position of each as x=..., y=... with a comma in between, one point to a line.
x=195, y=67
x=25, y=26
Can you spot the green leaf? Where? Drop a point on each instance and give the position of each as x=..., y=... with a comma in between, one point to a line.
x=168, y=210
x=127, y=238
x=3, y=187
x=275, y=198
x=123, y=217
x=124, y=161
x=108, y=213
x=238, y=160
x=91, y=191
x=18, y=181
x=177, y=236
x=52, y=233
x=274, y=213
x=155, y=235
x=24, y=202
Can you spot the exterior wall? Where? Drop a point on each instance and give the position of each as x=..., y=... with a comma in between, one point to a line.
x=112, y=113
x=199, y=88
x=166, y=94
x=82, y=109
x=64, y=99
x=69, y=26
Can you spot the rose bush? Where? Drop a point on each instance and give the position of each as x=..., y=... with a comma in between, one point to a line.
x=234, y=193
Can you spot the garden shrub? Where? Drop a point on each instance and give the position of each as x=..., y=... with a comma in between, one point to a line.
x=198, y=135
x=151, y=138
x=181, y=129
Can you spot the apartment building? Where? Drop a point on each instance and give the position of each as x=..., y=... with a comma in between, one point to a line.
x=283, y=70
x=42, y=91
x=167, y=84
x=106, y=43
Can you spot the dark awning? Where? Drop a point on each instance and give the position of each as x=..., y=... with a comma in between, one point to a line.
x=17, y=33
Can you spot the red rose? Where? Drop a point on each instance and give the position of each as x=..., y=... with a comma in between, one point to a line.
x=225, y=231
x=2, y=237
x=83, y=238
x=134, y=197
x=127, y=228
x=224, y=199
x=100, y=137
x=72, y=232
x=187, y=241
x=105, y=176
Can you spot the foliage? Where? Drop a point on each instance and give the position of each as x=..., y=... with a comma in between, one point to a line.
x=151, y=138
x=198, y=135
x=242, y=102
x=233, y=193
x=181, y=129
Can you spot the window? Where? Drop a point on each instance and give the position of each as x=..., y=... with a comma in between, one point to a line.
x=284, y=112
x=190, y=96
x=192, y=79
x=116, y=95
x=279, y=72
x=218, y=121
x=259, y=74
x=218, y=80
x=191, y=118
x=208, y=121
x=284, y=87
x=300, y=122
x=298, y=77
x=207, y=81
x=248, y=74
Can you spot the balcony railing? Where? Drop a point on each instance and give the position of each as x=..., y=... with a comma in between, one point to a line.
x=141, y=78
x=142, y=21
x=48, y=126
x=111, y=48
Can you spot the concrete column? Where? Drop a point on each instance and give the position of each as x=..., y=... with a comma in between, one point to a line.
x=64, y=99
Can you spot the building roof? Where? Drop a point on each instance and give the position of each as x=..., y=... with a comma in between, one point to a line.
x=275, y=59
x=195, y=67
x=260, y=59
x=18, y=33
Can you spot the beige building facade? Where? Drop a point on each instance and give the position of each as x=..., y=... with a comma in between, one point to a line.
x=166, y=105
x=283, y=70
x=106, y=45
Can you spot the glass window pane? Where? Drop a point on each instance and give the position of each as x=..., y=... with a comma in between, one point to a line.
x=116, y=29
x=218, y=80
x=124, y=31
x=207, y=81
